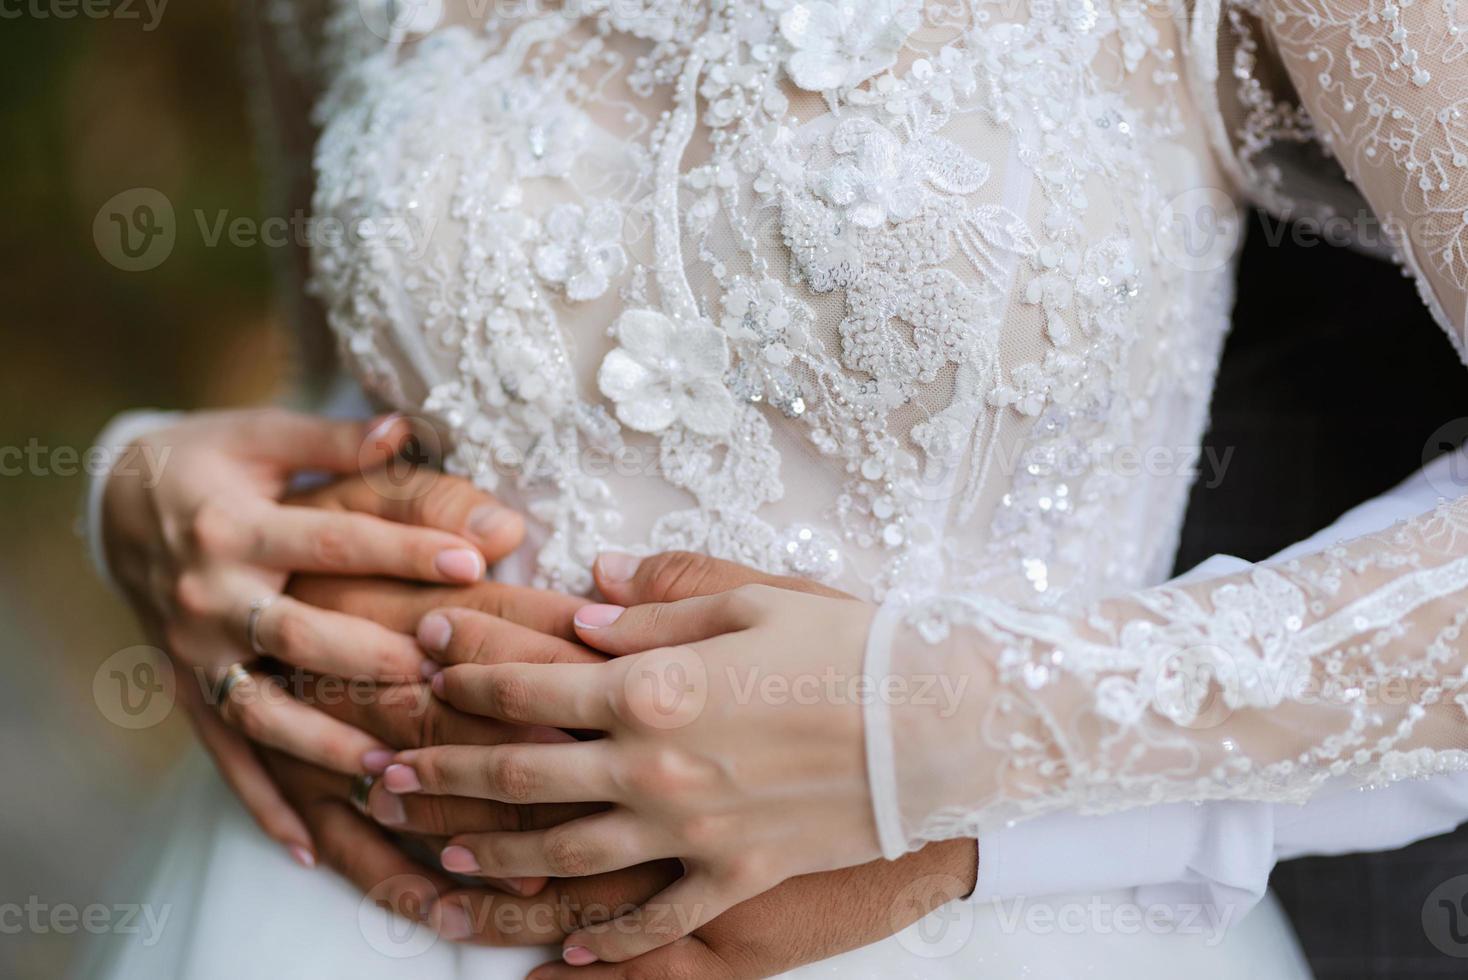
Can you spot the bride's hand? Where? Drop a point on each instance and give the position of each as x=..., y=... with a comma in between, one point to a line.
x=734, y=743
x=194, y=549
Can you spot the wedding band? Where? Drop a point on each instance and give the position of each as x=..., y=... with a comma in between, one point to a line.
x=233, y=675
x=252, y=626
x=361, y=788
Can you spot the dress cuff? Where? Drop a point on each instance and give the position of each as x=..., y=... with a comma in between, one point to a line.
x=881, y=761
x=108, y=448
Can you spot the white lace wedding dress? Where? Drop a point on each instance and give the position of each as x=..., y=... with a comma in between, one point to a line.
x=923, y=300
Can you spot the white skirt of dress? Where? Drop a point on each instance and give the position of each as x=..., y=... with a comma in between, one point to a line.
x=223, y=902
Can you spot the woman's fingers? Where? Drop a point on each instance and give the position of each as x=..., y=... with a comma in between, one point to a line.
x=561, y=695
x=668, y=916
x=269, y=715
x=466, y=636
x=247, y=777
x=327, y=642
x=617, y=630
x=607, y=841
x=307, y=539
x=308, y=442
x=521, y=772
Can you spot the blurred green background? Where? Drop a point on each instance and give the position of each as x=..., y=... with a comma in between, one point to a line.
x=91, y=106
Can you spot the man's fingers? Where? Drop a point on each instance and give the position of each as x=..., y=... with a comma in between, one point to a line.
x=467, y=636
x=405, y=716
x=672, y=575
x=621, y=630
x=426, y=497
x=492, y=919
x=400, y=605
x=363, y=855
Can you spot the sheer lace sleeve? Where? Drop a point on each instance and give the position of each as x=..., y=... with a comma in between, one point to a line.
x=1349, y=115
x=1345, y=666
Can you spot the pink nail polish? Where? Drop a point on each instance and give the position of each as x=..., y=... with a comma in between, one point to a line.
x=376, y=761
x=578, y=956
x=453, y=922
x=434, y=632
x=429, y=669
x=388, y=810
x=616, y=566
x=436, y=683
x=459, y=859
x=598, y=615
x=461, y=564
x=303, y=857
x=401, y=779
x=381, y=426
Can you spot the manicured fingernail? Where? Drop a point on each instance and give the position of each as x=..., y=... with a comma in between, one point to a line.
x=436, y=683
x=429, y=670
x=381, y=425
x=434, y=633
x=459, y=563
x=453, y=922
x=487, y=520
x=459, y=859
x=596, y=616
x=303, y=857
x=376, y=760
x=516, y=885
x=578, y=956
x=401, y=779
x=615, y=566
x=387, y=809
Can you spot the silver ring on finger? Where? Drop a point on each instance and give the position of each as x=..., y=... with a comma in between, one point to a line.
x=234, y=675
x=361, y=789
x=252, y=625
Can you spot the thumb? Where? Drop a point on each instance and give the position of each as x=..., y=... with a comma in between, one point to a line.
x=672, y=575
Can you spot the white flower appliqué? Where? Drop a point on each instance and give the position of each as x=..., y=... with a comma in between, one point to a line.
x=665, y=373
x=582, y=250
x=843, y=44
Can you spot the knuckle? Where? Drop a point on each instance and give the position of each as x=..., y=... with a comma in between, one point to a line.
x=512, y=778
x=510, y=697
x=191, y=595
x=663, y=775
x=214, y=529
x=748, y=870
x=749, y=599
x=331, y=547
x=428, y=722
x=678, y=574
x=439, y=500
x=568, y=857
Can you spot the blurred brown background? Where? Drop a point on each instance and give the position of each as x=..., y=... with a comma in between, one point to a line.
x=91, y=106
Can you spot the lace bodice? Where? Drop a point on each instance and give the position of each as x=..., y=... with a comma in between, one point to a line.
x=921, y=299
